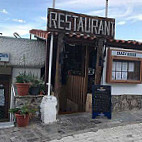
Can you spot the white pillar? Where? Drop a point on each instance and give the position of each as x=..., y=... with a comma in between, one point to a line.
x=48, y=105
x=48, y=109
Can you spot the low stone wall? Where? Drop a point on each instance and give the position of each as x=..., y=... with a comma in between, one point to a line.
x=126, y=102
x=33, y=100
x=119, y=102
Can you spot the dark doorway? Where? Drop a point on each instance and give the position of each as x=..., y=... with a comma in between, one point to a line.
x=74, y=79
x=4, y=97
x=91, y=68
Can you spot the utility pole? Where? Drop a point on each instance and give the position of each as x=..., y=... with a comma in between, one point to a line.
x=53, y=4
x=106, y=11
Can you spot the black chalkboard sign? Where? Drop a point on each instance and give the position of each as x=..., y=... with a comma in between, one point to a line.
x=101, y=100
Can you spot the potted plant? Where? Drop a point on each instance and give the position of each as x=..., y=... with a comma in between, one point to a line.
x=22, y=84
x=35, y=87
x=42, y=88
x=23, y=114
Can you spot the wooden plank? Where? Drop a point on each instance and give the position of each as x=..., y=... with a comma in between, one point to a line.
x=108, y=66
x=58, y=84
x=76, y=86
x=79, y=86
x=86, y=76
x=99, y=63
x=82, y=87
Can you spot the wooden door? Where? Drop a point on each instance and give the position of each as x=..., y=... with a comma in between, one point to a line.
x=77, y=91
x=4, y=98
x=76, y=87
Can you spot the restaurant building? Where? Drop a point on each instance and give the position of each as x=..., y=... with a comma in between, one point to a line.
x=85, y=53
x=118, y=65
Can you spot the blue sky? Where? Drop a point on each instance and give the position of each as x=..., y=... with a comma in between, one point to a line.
x=22, y=15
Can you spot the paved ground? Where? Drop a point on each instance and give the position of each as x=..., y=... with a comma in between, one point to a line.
x=78, y=125
x=128, y=133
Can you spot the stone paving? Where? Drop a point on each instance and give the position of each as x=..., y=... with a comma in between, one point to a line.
x=70, y=125
x=127, y=133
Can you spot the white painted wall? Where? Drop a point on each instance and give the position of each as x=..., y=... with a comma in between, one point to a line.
x=33, y=50
x=122, y=89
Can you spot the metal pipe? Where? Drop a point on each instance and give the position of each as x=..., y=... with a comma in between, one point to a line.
x=50, y=64
x=106, y=12
x=53, y=4
x=12, y=102
x=50, y=59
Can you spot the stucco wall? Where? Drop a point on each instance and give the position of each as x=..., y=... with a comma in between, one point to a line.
x=23, y=51
x=122, y=89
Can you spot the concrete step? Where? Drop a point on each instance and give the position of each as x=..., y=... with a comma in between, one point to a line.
x=6, y=125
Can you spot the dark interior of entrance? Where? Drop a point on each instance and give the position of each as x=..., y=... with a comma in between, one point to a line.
x=4, y=97
x=77, y=76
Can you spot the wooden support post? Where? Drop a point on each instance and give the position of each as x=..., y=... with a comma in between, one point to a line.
x=99, y=62
x=86, y=76
x=58, y=84
x=30, y=36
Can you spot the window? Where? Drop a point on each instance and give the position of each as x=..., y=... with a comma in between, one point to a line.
x=2, y=98
x=123, y=67
x=125, y=70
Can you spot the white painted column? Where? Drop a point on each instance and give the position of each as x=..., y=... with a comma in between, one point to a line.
x=48, y=105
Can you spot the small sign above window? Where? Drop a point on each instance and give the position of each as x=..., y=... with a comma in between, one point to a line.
x=4, y=57
x=126, y=54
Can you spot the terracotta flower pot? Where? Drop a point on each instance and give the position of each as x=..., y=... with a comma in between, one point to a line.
x=22, y=88
x=22, y=120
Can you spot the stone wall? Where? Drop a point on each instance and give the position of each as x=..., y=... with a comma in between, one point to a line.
x=126, y=102
x=33, y=100
x=119, y=102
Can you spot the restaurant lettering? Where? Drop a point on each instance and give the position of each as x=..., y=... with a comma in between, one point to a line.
x=64, y=21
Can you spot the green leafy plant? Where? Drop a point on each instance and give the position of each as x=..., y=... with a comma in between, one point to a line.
x=23, y=78
x=23, y=110
x=35, y=82
x=42, y=87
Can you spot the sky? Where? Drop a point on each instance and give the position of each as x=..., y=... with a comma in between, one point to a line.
x=23, y=15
